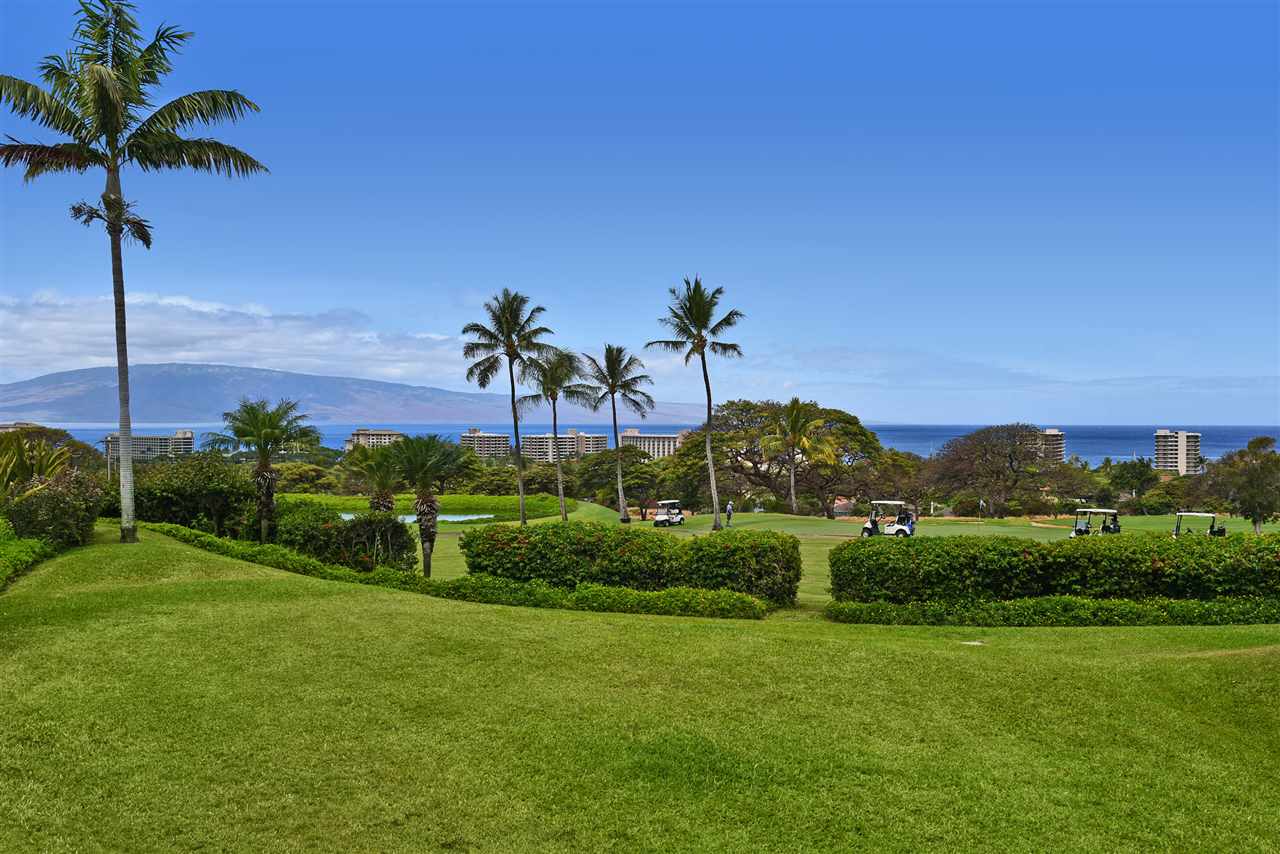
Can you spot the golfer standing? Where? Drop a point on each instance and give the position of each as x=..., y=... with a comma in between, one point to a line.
x=728, y=514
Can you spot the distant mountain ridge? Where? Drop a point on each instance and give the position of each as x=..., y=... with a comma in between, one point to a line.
x=181, y=392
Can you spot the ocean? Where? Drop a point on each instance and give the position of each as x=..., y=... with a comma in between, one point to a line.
x=1091, y=442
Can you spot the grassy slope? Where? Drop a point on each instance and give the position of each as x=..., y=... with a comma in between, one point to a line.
x=157, y=697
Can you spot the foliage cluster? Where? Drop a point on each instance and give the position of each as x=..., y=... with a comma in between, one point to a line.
x=60, y=510
x=367, y=541
x=1063, y=611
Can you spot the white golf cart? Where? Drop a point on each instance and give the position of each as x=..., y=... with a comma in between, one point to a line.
x=668, y=514
x=1215, y=530
x=903, y=524
x=1108, y=522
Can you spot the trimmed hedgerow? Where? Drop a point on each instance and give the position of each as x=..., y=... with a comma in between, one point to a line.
x=17, y=556
x=1063, y=611
x=765, y=564
x=1133, y=566
x=362, y=543
x=486, y=588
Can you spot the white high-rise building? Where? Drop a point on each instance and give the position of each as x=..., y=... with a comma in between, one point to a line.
x=371, y=438
x=153, y=447
x=657, y=445
x=1053, y=445
x=492, y=445
x=1178, y=451
x=572, y=444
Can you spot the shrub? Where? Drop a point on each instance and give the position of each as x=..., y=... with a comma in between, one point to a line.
x=6, y=531
x=60, y=511
x=361, y=543
x=17, y=556
x=1063, y=611
x=759, y=563
x=1133, y=566
x=202, y=490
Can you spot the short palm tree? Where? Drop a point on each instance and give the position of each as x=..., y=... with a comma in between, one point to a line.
x=267, y=431
x=617, y=376
x=554, y=376
x=512, y=333
x=376, y=471
x=691, y=319
x=423, y=462
x=22, y=460
x=98, y=97
x=797, y=432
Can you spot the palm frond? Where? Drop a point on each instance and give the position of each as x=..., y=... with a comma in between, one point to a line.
x=154, y=59
x=722, y=349
x=166, y=150
x=727, y=322
x=40, y=159
x=483, y=371
x=205, y=107
x=45, y=108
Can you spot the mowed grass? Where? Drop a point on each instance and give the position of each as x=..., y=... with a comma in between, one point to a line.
x=156, y=697
x=503, y=508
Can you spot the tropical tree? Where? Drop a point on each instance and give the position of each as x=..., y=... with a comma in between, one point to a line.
x=554, y=375
x=424, y=462
x=1249, y=479
x=99, y=97
x=377, y=472
x=22, y=460
x=797, y=432
x=513, y=333
x=617, y=376
x=691, y=319
x=266, y=431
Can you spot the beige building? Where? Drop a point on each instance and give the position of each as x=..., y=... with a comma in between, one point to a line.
x=493, y=445
x=11, y=426
x=153, y=447
x=1178, y=451
x=572, y=444
x=656, y=445
x=1053, y=445
x=371, y=438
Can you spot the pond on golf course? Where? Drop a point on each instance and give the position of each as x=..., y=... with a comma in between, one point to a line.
x=443, y=517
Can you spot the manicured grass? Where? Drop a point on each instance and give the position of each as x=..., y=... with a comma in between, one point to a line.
x=156, y=697
x=505, y=508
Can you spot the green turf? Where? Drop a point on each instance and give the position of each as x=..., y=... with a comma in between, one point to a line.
x=504, y=508
x=156, y=697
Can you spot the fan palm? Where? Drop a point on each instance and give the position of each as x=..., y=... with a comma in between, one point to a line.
x=98, y=97
x=267, y=431
x=554, y=377
x=376, y=471
x=797, y=432
x=512, y=333
x=691, y=319
x=618, y=376
x=422, y=462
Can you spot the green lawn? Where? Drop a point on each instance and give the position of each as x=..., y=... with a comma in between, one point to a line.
x=504, y=508
x=156, y=697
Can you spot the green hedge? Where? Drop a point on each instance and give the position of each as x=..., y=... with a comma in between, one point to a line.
x=759, y=563
x=1063, y=611
x=362, y=543
x=1134, y=566
x=484, y=588
x=17, y=556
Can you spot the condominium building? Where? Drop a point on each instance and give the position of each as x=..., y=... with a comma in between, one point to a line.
x=371, y=438
x=1178, y=451
x=1053, y=445
x=495, y=445
x=655, y=444
x=153, y=447
x=572, y=444
x=12, y=426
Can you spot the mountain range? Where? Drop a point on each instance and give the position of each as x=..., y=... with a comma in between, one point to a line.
x=199, y=393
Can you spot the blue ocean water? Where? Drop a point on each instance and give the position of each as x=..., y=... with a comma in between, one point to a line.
x=1089, y=442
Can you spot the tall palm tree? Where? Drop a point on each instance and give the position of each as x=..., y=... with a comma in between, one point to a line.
x=618, y=376
x=376, y=471
x=267, y=431
x=554, y=376
x=98, y=97
x=423, y=462
x=691, y=319
x=797, y=432
x=512, y=332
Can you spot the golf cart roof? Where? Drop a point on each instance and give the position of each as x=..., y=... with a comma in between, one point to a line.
x=889, y=502
x=1197, y=513
x=1095, y=510
x=667, y=501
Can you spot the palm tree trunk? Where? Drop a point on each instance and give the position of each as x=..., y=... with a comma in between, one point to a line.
x=555, y=450
x=515, y=426
x=795, y=508
x=623, y=516
x=711, y=465
x=264, y=477
x=128, y=523
x=427, y=506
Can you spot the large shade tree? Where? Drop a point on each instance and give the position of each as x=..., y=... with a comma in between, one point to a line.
x=554, y=376
x=513, y=334
x=1249, y=479
x=425, y=463
x=691, y=319
x=267, y=432
x=99, y=96
x=617, y=376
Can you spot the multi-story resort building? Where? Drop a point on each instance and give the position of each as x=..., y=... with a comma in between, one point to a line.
x=1053, y=445
x=493, y=445
x=572, y=444
x=153, y=447
x=371, y=438
x=12, y=426
x=657, y=445
x=1178, y=451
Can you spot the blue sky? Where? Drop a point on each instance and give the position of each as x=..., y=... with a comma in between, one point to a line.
x=932, y=213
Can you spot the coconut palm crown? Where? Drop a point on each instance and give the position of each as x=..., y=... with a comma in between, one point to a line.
x=691, y=320
x=617, y=377
x=98, y=96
